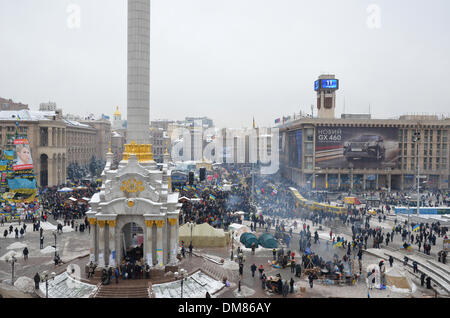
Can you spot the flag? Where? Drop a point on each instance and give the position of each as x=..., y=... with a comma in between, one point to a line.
x=196, y=195
x=254, y=125
x=416, y=228
x=212, y=197
x=277, y=120
x=185, y=188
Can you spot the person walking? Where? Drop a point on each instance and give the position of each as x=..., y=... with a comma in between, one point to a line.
x=291, y=283
x=311, y=279
x=41, y=240
x=274, y=253
x=17, y=232
x=25, y=253
x=415, y=267
x=190, y=249
x=253, y=269
x=391, y=260
x=422, y=279
x=37, y=279
x=261, y=271
x=117, y=274
x=292, y=265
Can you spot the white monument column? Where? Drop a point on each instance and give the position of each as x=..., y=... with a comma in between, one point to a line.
x=101, y=242
x=148, y=246
x=159, y=242
x=112, y=242
x=173, y=240
x=92, y=224
x=138, y=95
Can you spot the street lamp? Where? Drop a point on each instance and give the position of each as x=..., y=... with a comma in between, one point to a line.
x=54, y=234
x=45, y=277
x=12, y=260
x=232, y=245
x=191, y=226
x=182, y=275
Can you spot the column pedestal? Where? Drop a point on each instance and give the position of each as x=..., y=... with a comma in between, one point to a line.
x=149, y=244
x=173, y=241
x=112, y=243
x=93, y=225
x=159, y=243
x=101, y=243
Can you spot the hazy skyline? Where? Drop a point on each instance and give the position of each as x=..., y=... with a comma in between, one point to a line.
x=229, y=60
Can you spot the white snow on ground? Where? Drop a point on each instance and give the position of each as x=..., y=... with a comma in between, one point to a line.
x=245, y=292
x=47, y=226
x=231, y=265
x=9, y=254
x=67, y=229
x=16, y=245
x=48, y=250
x=25, y=284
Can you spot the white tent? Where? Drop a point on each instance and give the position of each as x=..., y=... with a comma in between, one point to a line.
x=398, y=279
x=203, y=235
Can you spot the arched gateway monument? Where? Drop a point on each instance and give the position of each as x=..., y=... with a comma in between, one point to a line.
x=135, y=208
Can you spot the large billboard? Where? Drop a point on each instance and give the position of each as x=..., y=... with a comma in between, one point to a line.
x=22, y=155
x=295, y=149
x=356, y=147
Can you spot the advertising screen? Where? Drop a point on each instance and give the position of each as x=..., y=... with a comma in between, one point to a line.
x=329, y=83
x=295, y=148
x=316, y=85
x=22, y=155
x=356, y=147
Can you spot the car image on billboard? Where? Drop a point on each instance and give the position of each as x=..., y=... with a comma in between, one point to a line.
x=357, y=147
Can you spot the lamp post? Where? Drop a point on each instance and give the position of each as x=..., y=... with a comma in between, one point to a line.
x=182, y=275
x=45, y=277
x=54, y=234
x=12, y=260
x=232, y=245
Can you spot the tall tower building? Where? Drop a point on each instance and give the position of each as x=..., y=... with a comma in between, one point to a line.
x=138, y=95
x=326, y=87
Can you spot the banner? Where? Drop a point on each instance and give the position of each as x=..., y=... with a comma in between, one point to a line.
x=22, y=155
x=16, y=184
x=356, y=147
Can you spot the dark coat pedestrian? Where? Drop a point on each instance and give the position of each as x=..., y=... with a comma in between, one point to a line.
x=25, y=253
x=253, y=269
x=37, y=279
x=391, y=260
x=291, y=283
x=428, y=280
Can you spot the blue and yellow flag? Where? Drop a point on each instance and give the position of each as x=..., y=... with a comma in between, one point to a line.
x=212, y=197
x=416, y=228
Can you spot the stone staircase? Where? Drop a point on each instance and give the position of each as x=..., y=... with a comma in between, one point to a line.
x=133, y=289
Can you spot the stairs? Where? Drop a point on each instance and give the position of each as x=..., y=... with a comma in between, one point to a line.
x=124, y=290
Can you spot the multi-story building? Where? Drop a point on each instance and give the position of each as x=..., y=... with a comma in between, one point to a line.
x=102, y=136
x=357, y=152
x=8, y=104
x=46, y=133
x=55, y=142
x=81, y=145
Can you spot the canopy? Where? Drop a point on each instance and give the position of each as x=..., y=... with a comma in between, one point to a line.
x=73, y=199
x=268, y=241
x=248, y=239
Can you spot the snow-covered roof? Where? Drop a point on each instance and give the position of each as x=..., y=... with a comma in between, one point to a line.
x=75, y=123
x=25, y=114
x=116, y=134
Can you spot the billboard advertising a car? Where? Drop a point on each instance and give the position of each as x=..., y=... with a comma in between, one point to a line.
x=356, y=147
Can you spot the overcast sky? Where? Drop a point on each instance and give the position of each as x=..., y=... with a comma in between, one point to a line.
x=230, y=60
